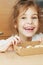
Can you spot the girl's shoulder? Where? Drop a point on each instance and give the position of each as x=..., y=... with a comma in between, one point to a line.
x=37, y=37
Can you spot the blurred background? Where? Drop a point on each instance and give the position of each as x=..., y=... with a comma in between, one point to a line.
x=5, y=11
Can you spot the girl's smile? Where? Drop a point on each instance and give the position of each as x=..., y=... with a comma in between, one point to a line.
x=28, y=28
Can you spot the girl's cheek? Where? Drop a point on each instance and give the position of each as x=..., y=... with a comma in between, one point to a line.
x=21, y=22
x=36, y=23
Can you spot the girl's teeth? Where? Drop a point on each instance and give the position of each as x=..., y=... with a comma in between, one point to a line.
x=26, y=28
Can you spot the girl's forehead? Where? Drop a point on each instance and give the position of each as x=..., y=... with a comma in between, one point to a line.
x=29, y=11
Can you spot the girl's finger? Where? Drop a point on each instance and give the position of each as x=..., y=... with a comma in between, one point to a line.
x=17, y=38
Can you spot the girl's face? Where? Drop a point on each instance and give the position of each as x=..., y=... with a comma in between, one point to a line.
x=28, y=22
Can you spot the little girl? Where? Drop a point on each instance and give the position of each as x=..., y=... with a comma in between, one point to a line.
x=26, y=20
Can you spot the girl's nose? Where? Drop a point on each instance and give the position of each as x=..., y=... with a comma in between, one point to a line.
x=29, y=21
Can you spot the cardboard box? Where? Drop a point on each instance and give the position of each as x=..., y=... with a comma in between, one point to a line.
x=29, y=48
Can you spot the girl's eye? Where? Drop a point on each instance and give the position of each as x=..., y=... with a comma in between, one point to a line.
x=34, y=17
x=23, y=18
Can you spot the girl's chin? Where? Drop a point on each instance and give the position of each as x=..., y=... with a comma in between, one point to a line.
x=30, y=35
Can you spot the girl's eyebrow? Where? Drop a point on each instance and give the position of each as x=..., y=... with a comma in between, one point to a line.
x=36, y=14
x=33, y=14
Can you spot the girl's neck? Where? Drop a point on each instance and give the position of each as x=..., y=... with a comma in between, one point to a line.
x=24, y=39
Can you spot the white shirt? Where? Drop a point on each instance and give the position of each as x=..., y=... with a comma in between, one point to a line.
x=37, y=37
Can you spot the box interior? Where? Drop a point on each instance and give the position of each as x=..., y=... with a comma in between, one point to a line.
x=31, y=43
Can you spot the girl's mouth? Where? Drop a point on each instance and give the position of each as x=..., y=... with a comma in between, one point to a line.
x=29, y=28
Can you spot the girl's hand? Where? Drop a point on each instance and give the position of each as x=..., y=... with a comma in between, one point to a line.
x=14, y=39
x=11, y=41
x=17, y=39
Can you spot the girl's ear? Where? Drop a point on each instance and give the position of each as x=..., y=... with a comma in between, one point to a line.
x=15, y=29
x=15, y=26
